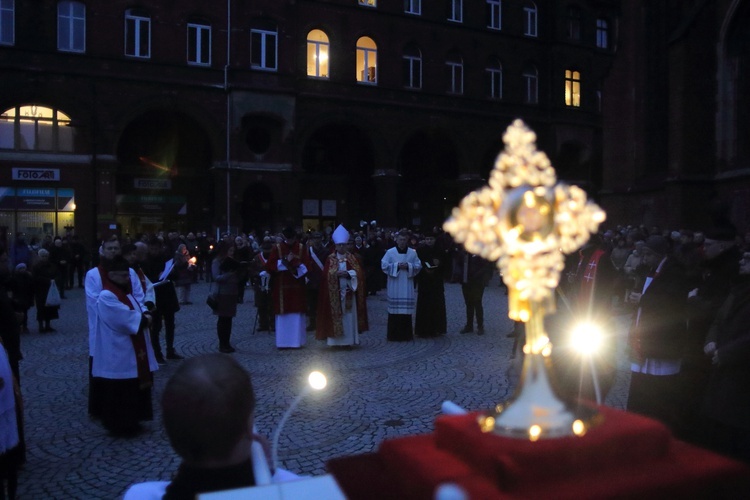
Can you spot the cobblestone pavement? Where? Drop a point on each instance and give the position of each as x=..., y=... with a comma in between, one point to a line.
x=377, y=391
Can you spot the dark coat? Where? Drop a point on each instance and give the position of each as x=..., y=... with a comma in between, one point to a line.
x=662, y=329
x=226, y=280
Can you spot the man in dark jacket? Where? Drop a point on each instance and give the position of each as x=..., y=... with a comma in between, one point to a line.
x=658, y=337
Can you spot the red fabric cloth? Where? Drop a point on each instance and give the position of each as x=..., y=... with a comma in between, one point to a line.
x=626, y=456
x=329, y=300
x=289, y=293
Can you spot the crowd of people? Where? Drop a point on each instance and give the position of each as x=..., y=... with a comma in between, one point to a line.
x=688, y=294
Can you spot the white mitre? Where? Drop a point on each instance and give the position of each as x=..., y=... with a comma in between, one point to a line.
x=340, y=235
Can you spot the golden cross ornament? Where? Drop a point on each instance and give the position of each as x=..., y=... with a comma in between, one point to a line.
x=525, y=220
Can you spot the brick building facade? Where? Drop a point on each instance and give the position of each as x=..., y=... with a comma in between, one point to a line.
x=146, y=115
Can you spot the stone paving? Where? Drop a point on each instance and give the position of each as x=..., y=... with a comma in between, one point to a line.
x=378, y=391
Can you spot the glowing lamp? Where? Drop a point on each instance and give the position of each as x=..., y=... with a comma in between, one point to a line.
x=586, y=338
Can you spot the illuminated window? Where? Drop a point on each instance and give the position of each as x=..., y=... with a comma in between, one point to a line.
x=494, y=14
x=572, y=88
x=199, y=43
x=7, y=22
x=264, y=46
x=317, y=54
x=602, y=33
x=574, y=23
x=413, y=7
x=36, y=128
x=456, y=12
x=531, y=84
x=455, y=67
x=367, y=61
x=530, y=19
x=494, y=78
x=412, y=67
x=137, y=33
x=71, y=26
x=369, y=3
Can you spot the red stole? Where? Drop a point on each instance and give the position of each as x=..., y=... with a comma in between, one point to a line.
x=138, y=340
x=142, y=278
x=588, y=280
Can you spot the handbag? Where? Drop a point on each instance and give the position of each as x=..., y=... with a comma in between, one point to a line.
x=53, y=295
x=213, y=298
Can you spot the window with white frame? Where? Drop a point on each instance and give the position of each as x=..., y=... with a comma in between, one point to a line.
x=455, y=69
x=413, y=7
x=494, y=14
x=264, y=46
x=494, y=79
x=71, y=26
x=367, y=61
x=137, y=33
x=574, y=22
x=531, y=84
x=572, y=88
x=36, y=128
x=530, y=19
x=456, y=11
x=602, y=33
x=7, y=22
x=412, y=67
x=199, y=43
x=317, y=54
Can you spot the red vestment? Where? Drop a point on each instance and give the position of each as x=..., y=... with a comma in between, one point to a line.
x=329, y=322
x=288, y=291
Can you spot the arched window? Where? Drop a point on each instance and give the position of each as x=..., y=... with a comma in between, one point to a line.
x=137, y=33
x=367, y=61
x=455, y=69
x=493, y=72
x=412, y=67
x=264, y=42
x=36, y=128
x=530, y=84
x=572, y=88
x=71, y=26
x=529, y=19
x=317, y=54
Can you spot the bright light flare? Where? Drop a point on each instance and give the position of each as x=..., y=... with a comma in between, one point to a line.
x=317, y=380
x=586, y=338
x=192, y=261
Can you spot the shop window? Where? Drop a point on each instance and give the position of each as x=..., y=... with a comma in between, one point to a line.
x=530, y=19
x=531, y=84
x=71, y=26
x=412, y=67
x=602, y=33
x=317, y=54
x=494, y=78
x=264, y=39
x=137, y=33
x=456, y=11
x=36, y=128
x=199, y=43
x=368, y=3
x=7, y=22
x=455, y=69
x=572, y=88
x=494, y=14
x=367, y=61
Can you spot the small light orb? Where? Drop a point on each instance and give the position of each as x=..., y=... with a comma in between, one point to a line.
x=317, y=380
x=487, y=424
x=579, y=428
x=534, y=432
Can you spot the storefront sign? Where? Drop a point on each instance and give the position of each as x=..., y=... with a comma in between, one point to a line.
x=36, y=174
x=66, y=200
x=35, y=199
x=144, y=204
x=151, y=183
